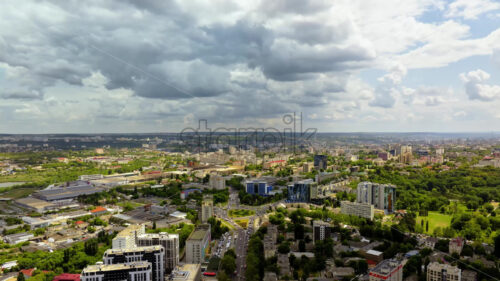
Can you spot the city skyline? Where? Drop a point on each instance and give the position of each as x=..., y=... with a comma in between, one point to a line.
x=348, y=66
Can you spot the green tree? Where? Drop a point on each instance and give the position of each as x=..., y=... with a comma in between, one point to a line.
x=20, y=277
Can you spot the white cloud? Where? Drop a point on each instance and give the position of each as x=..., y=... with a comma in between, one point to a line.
x=471, y=9
x=476, y=87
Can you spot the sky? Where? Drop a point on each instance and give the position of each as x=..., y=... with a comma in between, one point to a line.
x=116, y=66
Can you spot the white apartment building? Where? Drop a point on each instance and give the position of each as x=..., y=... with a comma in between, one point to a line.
x=126, y=238
x=152, y=254
x=382, y=196
x=443, y=272
x=363, y=210
x=207, y=209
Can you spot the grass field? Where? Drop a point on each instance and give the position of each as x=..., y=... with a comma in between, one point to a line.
x=242, y=222
x=435, y=219
x=238, y=213
x=16, y=193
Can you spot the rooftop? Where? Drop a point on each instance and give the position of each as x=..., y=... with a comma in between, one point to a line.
x=386, y=267
x=114, y=267
x=199, y=233
x=134, y=250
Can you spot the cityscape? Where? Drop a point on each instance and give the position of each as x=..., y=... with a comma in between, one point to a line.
x=224, y=140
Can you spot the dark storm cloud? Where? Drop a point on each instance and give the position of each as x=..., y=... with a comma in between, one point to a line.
x=159, y=50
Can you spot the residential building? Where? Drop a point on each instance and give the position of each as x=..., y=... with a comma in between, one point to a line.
x=207, y=208
x=456, y=245
x=258, y=187
x=197, y=244
x=320, y=162
x=443, y=272
x=303, y=191
x=134, y=271
x=363, y=210
x=321, y=230
x=405, y=154
x=152, y=254
x=387, y=270
x=126, y=238
x=429, y=242
x=382, y=196
x=469, y=275
x=187, y=272
x=170, y=243
x=217, y=182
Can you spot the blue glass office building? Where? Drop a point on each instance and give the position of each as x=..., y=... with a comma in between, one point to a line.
x=258, y=187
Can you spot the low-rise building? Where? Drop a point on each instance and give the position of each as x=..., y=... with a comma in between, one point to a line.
x=469, y=275
x=186, y=272
x=387, y=270
x=363, y=210
x=34, y=204
x=443, y=272
x=18, y=238
x=67, y=277
x=456, y=245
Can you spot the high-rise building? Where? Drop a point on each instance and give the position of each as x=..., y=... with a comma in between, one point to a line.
x=443, y=272
x=321, y=230
x=217, y=182
x=387, y=270
x=170, y=243
x=127, y=237
x=258, y=187
x=363, y=210
x=136, y=236
x=381, y=196
x=134, y=271
x=405, y=154
x=320, y=162
x=152, y=254
x=303, y=191
x=207, y=208
x=197, y=244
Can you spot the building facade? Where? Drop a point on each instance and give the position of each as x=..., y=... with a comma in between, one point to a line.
x=197, y=244
x=152, y=254
x=170, y=243
x=443, y=272
x=320, y=162
x=207, y=209
x=217, y=182
x=381, y=196
x=258, y=187
x=303, y=191
x=321, y=230
x=363, y=210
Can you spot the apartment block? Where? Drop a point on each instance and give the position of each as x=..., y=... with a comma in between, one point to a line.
x=381, y=196
x=363, y=210
x=152, y=254
x=443, y=272
x=321, y=230
x=197, y=244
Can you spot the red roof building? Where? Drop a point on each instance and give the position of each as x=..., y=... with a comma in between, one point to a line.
x=99, y=210
x=67, y=277
x=28, y=272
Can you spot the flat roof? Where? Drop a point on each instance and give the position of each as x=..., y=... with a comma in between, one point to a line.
x=34, y=202
x=114, y=267
x=130, y=230
x=135, y=249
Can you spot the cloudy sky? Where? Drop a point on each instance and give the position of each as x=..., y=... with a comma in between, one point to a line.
x=159, y=66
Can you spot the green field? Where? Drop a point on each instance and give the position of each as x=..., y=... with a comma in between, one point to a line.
x=435, y=219
x=17, y=192
x=238, y=213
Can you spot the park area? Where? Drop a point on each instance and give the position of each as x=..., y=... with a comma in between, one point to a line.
x=238, y=213
x=435, y=220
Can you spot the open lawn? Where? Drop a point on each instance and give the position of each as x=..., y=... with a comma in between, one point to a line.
x=238, y=213
x=242, y=222
x=17, y=192
x=435, y=219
